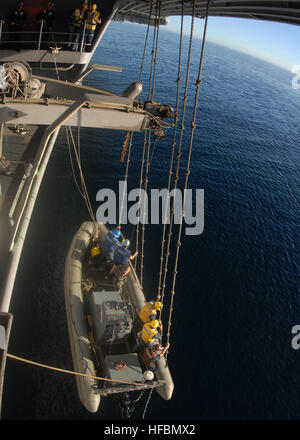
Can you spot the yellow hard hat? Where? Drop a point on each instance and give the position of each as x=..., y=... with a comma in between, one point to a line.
x=158, y=305
x=85, y=5
x=94, y=7
x=95, y=251
x=154, y=323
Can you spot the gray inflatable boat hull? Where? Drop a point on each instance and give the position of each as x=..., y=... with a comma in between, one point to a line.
x=81, y=349
x=82, y=353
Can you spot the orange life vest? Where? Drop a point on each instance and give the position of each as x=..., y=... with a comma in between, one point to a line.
x=91, y=22
x=147, y=311
x=148, y=333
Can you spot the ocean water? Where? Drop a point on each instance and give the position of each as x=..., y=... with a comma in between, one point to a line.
x=237, y=296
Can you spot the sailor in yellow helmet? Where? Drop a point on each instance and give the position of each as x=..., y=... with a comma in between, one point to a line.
x=150, y=333
x=92, y=19
x=149, y=311
x=76, y=28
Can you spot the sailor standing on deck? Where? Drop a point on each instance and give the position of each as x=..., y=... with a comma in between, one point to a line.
x=76, y=27
x=17, y=22
x=48, y=16
x=92, y=19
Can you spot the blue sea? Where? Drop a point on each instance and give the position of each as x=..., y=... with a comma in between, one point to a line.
x=237, y=294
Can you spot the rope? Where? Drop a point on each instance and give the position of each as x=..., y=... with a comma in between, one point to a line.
x=187, y=171
x=84, y=192
x=158, y=5
x=179, y=150
x=49, y=367
x=144, y=212
x=126, y=177
x=151, y=67
x=78, y=142
x=72, y=165
x=172, y=155
x=87, y=199
x=146, y=43
x=140, y=190
x=139, y=398
x=145, y=135
x=147, y=403
x=154, y=54
x=54, y=58
x=153, y=151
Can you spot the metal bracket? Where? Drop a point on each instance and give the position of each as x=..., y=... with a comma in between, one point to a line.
x=97, y=67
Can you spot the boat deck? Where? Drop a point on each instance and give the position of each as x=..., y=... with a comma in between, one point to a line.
x=128, y=350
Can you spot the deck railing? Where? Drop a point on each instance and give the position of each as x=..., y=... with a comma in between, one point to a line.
x=44, y=39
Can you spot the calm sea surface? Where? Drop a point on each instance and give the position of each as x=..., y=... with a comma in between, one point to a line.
x=237, y=297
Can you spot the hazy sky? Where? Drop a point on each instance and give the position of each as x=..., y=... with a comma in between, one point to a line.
x=277, y=43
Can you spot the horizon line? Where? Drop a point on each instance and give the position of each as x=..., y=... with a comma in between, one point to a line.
x=245, y=51
x=237, y=49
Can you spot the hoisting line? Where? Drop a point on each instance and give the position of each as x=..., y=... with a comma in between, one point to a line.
x=172, y=157
x=144, y=207
x=124, y=146
x=146, y=43
x=147, y=403
x=179, y=152
x=148, y=143
x=150, y=94
x=55, y=50
x=49, y=367
x=72, y=166
x=140, y=192
x=152, y=59
x=145, y=137
x=158, y=5
x=187, y=171
x=84, y=192
x=126, y=176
